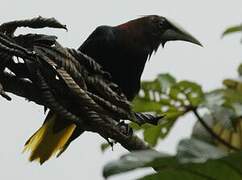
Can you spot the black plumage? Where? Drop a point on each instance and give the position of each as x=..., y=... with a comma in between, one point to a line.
x=124, y=49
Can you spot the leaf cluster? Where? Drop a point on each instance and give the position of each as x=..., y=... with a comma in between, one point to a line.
x=214, y=149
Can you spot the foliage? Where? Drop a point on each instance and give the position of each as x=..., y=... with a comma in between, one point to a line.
x=233, y=29
x=188, y=164
x=212, y=152
x=48, y=71
x=165, y=95
x=221, y=107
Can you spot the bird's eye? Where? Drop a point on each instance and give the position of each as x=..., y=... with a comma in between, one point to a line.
x=161, y=22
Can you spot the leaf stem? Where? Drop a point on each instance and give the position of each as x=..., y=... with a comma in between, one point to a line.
x=210, y=130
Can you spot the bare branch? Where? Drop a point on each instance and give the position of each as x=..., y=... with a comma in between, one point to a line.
x=65, y=81
x=21, y=87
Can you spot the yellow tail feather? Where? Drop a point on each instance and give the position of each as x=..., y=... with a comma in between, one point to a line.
x=45, y=142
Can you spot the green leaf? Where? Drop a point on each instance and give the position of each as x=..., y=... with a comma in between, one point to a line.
x=240, y=70
x=197, y=151
x=105, y=146
x=232, y=29
x=221, y=168
x=135, y=126
x=152, y=134
x=166, y=81
x=194, y=92
x=173, y=174
x=173, y=114
x=215, y=97
x=144, y=105
x=230, y=83
x=163, y=96
x=186, y=90
x=138, y=159
x=166, y=127
x=225, y=106
x=237, y=109
x=212, y=169
x=232, y=95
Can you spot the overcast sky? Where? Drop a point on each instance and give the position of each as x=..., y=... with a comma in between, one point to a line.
x=208, y=66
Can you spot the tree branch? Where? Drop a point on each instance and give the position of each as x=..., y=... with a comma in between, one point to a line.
x=26, y=89
x=60, y=80
x=217, y=137
x=21, y=87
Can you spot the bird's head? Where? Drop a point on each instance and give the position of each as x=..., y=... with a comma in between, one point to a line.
x=158, y=30
x=164, y=30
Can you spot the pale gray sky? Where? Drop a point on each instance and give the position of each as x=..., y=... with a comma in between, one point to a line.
x=209, y=65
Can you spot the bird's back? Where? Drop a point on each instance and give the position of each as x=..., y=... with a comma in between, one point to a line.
x=110, y=47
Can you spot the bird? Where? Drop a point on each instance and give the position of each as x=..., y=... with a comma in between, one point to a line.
x=122, y=51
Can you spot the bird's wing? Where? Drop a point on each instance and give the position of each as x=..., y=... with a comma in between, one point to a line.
x=102, y=36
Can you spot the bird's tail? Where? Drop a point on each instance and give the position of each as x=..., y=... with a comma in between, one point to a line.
x=51, y=138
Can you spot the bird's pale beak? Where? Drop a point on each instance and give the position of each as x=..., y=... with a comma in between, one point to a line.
x=175, y=32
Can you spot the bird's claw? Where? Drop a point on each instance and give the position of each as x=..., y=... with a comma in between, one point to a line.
x=125, y=128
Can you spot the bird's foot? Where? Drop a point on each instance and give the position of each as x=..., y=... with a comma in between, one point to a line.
x=125, y=129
